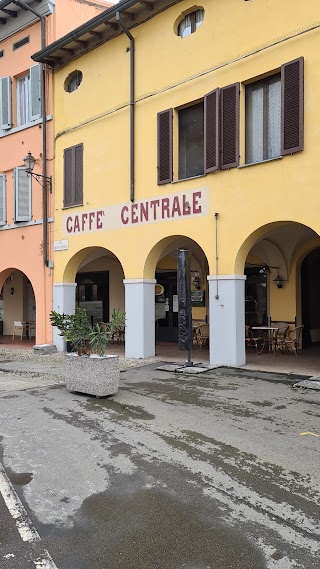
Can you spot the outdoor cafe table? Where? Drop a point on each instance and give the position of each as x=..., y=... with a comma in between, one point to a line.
x=269, y=335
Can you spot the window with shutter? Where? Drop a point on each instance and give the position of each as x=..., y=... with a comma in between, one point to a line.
x=3, y=212
x=191, y=141
x=211, y=131
x=23, y=100
x=23, y=195
x=73, y=176
x=5, y=103
x=165, y=147
x=292, y=102
x=229, y=100
x=35, y=92
x=263, y=119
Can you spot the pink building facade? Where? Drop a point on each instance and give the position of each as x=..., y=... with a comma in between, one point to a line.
x=26, y=119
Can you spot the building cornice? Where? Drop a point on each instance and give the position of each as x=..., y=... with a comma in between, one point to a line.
x=24, y=18
x=101, y=29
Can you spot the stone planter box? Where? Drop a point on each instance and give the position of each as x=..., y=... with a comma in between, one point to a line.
x=93, y=375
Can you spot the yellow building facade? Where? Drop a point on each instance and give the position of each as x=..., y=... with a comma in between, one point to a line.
x=189, y=126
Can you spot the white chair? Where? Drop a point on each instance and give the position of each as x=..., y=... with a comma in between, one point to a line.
x=17, y=329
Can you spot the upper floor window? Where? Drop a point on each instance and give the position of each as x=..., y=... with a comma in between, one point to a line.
x=274, y=114
x=28, y=107
x=73, y=81
x=73, y=176
x=190, y=23
x=263, y=119
x=191, y=141
x=23, y=101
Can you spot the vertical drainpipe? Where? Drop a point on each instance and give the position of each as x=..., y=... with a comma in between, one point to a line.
x=44, y=132
x=132, y=104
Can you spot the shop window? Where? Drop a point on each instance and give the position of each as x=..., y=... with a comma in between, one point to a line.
x=73, y=176
x=190, y=23
x=191, y=141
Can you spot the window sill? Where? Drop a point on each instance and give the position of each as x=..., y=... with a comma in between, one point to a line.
x=261, y=162
x=71, y=206
x=186, y=179
x=5, y=133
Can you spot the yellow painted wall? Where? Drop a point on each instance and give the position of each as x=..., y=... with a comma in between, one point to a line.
x=237, y=42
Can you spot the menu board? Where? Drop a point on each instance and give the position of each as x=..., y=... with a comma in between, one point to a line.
x=197, y=298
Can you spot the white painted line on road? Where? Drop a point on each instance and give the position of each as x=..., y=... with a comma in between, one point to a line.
x=45, y=562
x=24, y=526
x=16, y=509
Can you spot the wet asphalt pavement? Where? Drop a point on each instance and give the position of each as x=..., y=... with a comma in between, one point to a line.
x=174, y=472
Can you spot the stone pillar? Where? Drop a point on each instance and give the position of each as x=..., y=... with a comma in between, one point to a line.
x=140, y=318
x=227, y=320
x=64, y=302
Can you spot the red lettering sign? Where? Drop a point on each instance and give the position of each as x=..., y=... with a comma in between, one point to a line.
x=68, y=224
x=124, y=211
x=196, y=207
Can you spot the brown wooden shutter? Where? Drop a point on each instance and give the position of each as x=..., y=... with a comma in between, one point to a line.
x=78, y=151
x=68, y=177
x=229, y=101
x=165, y=147
x=292, y=106
x=211, y=131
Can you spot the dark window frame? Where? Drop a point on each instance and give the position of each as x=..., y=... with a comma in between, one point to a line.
x=196, y=104
x=70, y=201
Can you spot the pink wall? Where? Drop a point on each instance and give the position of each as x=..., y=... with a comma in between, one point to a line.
x=21, y=246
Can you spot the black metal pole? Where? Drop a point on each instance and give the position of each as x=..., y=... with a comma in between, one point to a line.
x=184, y=303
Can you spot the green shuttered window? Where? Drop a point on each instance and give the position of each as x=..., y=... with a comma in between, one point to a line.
x=23, y=195
x=3, y=200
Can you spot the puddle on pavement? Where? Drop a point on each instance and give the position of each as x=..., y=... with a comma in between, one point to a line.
x=19, y=478
x=150, y=530
x=124, y=411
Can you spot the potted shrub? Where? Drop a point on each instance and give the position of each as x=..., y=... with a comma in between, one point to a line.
x=88, y=369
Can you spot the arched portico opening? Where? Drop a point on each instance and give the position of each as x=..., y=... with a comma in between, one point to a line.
x=275, y=288
x=18, y=315
x=161, y=264
x=93, y=280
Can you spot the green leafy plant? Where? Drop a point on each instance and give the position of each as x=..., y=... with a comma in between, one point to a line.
x=75, y=328
x=99, y=338
x=117, y=322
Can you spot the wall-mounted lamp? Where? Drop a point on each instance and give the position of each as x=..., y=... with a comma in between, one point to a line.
x=29, y=162
x=278, y=281
x=196, y=280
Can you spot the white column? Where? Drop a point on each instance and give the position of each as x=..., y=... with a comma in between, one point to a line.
x=64, y=302
x=227, y=320
x=140, y=318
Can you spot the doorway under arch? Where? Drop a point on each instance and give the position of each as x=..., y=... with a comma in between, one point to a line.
x=17, y=304
x=164, y=259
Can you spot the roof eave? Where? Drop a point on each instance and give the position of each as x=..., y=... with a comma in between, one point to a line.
x=100, y=29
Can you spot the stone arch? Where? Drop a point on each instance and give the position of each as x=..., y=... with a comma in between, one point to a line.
x=267, y=233
x=87, y=254
x=163, y=246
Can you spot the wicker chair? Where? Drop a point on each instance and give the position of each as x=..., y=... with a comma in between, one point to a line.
x=292, y=340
